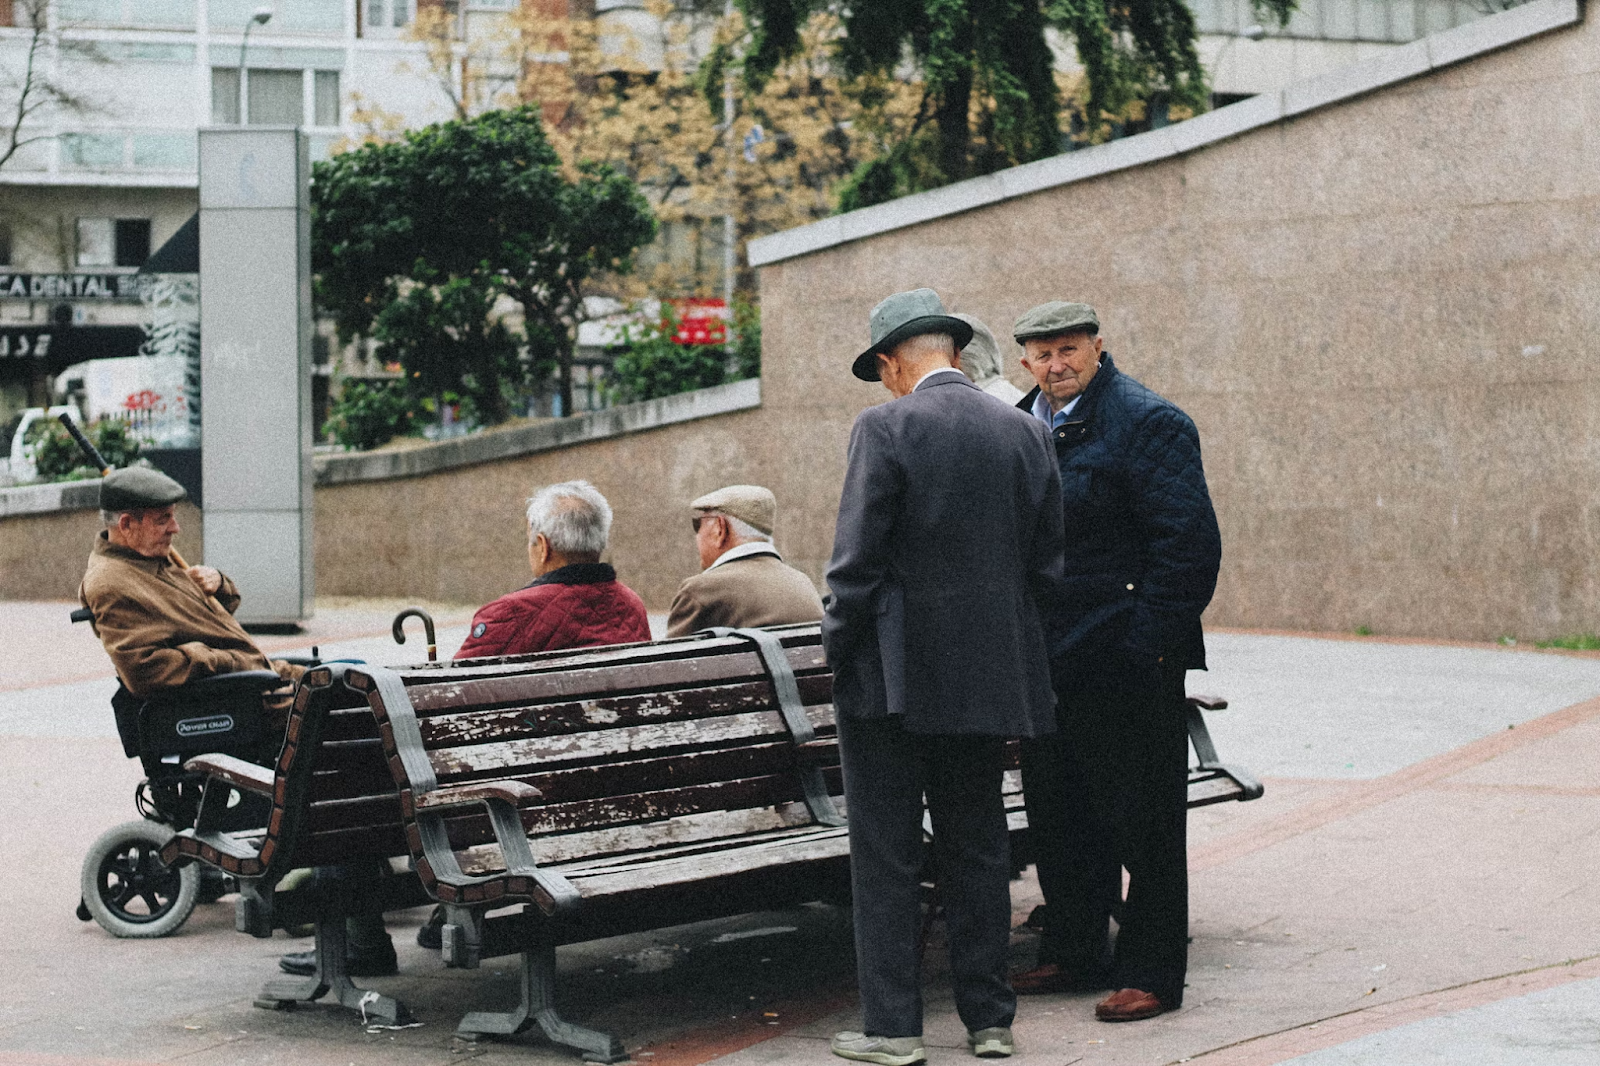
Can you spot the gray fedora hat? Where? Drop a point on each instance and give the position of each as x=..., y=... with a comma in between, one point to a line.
x=903, y=315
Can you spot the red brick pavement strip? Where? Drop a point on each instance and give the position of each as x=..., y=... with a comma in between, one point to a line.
x=1337, y=1029
x=1361, y=797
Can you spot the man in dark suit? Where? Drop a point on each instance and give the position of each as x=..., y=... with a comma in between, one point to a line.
x=948, y=550
x=1108, y=790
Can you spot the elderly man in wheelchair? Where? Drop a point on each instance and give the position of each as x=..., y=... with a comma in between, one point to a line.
x=192, y=681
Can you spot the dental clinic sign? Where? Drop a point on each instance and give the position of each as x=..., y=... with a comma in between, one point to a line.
x=71, y=286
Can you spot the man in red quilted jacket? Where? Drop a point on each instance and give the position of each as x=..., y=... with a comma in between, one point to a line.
x=575, y=600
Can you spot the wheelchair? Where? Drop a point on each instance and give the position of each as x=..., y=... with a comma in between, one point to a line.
x=124, y=885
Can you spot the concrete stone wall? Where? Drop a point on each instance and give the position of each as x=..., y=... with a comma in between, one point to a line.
x=1382, y=315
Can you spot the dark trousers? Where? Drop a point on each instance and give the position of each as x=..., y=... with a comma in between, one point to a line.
x=1108, y=792
x=887, y=772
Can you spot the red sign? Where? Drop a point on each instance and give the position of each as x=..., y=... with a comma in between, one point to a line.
x=701, y=321
x=143, y=400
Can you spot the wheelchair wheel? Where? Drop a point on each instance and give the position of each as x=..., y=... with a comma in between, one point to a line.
x=129, y=890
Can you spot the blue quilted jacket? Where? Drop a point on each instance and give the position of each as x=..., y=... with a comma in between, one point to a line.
x=1142, y=542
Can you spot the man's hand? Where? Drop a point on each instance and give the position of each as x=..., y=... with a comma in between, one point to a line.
x=209, y=579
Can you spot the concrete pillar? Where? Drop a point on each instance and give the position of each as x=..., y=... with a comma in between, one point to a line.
x=255, y=366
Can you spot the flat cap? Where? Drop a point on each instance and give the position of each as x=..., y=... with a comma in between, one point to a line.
x=1057, y=316
x=136, y=488
x=981, y=357
x=748, y=503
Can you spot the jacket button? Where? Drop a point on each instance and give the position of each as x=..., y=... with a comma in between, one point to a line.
x=1130, y=586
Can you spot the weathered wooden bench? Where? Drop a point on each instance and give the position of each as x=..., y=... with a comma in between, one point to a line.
x=606, y=791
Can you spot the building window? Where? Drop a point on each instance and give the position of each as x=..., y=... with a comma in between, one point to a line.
x=381, y=18
x=5, y=240
x=325, y=103
x=109, y=242
x=133, y=241
x=224, y=96
x=97, y=242
x=275, y=97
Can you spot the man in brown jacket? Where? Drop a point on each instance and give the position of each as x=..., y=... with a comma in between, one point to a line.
x=153, y=616
x=745, y=582
x=161, y=631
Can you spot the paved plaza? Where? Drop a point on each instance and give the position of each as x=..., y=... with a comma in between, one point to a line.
x=1418, y=886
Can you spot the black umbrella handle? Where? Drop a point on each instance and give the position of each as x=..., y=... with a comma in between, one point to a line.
x=97, y=460
x=399, y=629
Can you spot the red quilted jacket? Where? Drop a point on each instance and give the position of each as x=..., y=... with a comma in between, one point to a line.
x=574, y=607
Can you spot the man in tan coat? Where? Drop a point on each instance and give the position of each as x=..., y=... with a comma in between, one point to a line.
x=153, y=616
x=745, y=583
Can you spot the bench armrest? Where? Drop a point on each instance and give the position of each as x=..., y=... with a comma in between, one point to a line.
x=516, y=793
x=237, y=773
x=1209, y=703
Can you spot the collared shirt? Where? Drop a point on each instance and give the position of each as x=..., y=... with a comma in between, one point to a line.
x=929, y=374
x=1041, y=408
x=745, y=550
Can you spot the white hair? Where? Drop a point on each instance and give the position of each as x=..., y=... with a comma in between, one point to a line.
x=573, y=517
x=742, y=529
x=927, y=344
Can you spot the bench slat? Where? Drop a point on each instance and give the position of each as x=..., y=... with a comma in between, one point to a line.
x=476, y=689
x=553, y=752
x=443, y=729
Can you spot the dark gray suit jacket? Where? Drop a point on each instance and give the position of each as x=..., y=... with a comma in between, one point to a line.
x=946, y=558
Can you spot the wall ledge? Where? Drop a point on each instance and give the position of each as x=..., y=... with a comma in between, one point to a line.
x=1420, y=57
x=43, y=499
x=495, y=445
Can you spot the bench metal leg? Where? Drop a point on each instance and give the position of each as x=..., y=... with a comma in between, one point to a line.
x=538, y=1007
x=332, y=953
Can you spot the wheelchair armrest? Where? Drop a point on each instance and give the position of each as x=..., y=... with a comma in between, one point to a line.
x=306, y=661
x=82, y=614
x=235, y=772
x=1208, y=703
x=236, y=685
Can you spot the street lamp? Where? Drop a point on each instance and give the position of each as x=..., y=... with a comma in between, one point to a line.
x=259, y=17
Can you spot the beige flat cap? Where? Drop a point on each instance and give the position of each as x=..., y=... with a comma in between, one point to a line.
x=748, y=503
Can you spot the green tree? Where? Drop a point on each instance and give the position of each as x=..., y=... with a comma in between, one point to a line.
x=990, y=96
x=468, y=211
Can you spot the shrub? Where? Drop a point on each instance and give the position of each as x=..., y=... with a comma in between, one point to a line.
x=656, y=365
x=370, y=413
x=57, y=457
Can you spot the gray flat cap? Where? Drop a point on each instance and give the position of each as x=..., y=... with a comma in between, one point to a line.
x=748, y=503
x=981, y=357
x=1057, y=316
x=136, y=488
x=902, y=316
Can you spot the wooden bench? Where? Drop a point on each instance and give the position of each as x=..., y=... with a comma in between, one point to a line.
x=605, y=791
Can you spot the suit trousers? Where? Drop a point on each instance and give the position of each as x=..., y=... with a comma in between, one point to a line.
x=1109, y=792
x=887, y=772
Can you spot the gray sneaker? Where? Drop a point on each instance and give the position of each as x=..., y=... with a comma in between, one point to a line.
x=992, y=1043
x=883, y=1050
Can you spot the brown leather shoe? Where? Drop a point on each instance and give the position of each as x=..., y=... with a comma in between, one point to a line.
x=1050, y=977
x=1129, y=1005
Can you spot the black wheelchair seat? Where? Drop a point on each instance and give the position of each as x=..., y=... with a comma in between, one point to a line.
x=221, y=713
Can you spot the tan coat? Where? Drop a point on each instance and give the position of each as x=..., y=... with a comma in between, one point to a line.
x=158, y=628
x=752, y=591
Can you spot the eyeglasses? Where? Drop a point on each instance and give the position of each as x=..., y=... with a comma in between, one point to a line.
x=697, y=519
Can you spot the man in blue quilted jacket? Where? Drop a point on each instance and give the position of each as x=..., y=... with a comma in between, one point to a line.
x=1108, y=791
